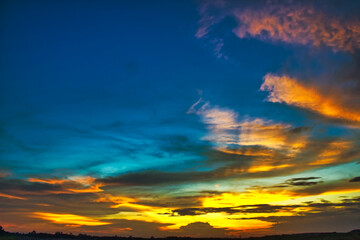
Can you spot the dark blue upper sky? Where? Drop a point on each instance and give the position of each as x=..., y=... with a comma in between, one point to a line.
x=85, y=66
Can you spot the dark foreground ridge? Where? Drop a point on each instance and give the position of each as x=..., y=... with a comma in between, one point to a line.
x=352, y=235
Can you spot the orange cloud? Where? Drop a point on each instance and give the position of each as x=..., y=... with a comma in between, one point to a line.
x=77, y=184
x=269, y=134
x=124, y=229
x=119, y=201
x=332, y=152
x=298, y=25
x=294, y=23
x=11, y=196
x=68, y=219
x=48, y=181
x=284, y=89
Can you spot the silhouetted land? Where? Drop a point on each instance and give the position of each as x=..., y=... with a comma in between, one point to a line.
x=353, y=235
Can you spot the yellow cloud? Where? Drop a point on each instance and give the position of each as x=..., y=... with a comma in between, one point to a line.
x=264, y=168
x=233, y=221
x=242, y=220
x=247, y=198
x=68, y=219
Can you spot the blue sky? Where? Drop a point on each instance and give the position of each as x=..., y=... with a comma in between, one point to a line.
x=197, y=104
x=73, y=72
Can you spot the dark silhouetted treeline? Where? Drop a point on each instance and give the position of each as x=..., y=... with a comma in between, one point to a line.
x=353, y=235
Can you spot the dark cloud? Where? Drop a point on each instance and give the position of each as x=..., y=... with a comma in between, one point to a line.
x=306, y=181
x=348, y=204
x=299, y=130
x=201, y=230
x=259, y=208
x=181, y=144
x=355, y=179
x=25, y=187
x=126, y=228
x=324, y=217
x=340, y=185
x=154, y=177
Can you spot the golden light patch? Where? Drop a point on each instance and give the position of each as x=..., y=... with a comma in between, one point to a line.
x=265, y=168
x=344, y=191
x=68, y=219
x=247, y=198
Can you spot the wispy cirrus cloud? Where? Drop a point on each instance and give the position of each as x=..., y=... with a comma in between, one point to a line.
x=228, y=130
x=294, y=23
x=298, y=25
x=288, y=90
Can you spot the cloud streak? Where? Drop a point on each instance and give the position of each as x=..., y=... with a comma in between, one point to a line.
x=11, y=196
x=69, y=219
x=288, y=90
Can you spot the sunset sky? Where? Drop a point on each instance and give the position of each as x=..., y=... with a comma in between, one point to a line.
x=180, y=117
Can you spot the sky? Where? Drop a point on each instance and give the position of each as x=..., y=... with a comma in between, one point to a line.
x=180, y=118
